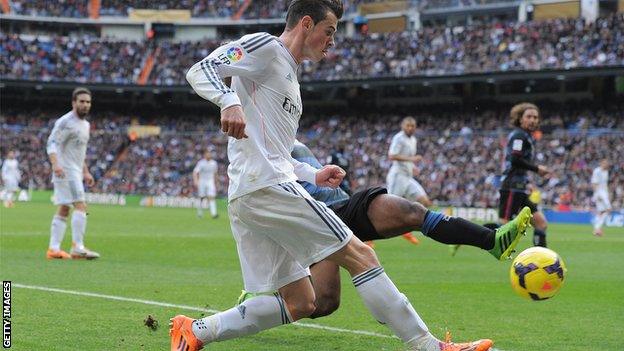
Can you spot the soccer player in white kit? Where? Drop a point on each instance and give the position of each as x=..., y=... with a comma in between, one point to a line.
x=400, y=178
x=67, y=150
x=10, y=178
x=204, y=176
x=402, y=152
x=600, y=184
x=280, y=230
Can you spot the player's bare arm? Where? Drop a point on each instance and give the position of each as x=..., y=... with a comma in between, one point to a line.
x=87, y=175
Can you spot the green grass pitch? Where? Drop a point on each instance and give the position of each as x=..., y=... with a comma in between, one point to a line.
x=170, y=256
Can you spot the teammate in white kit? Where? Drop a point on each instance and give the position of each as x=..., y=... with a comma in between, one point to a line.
x=67, y=149
x=204, y=176
x=402, y=152
x=280, y=230
x=600, y=184
x=10, y=178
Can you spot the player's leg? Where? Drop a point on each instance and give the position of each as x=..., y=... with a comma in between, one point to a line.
x=266, y=266
x=325, y=278
x=79, y=228
x=63, y=199
x=603, y=206
x=385, y=302
x=212, y=203
x=539, y=232
x=391, y=216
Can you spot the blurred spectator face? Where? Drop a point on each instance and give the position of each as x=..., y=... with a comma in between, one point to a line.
x=529, y=120
x=409, y=126
x=320, y=36
x=82, y=105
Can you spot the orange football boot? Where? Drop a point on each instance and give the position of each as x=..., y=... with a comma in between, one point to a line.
x=181, y=334
x=479, y=345
x=411, y=238
x=57, y=254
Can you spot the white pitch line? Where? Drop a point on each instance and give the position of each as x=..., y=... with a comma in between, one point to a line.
x=190, y=308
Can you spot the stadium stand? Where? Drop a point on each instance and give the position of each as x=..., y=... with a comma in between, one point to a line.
x=432, y=51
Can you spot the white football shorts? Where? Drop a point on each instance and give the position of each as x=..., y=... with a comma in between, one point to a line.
x=280, y=231
x=206, y=189
x=404, y=186
x=601, y=199
x=11, y=184
x=67, y=192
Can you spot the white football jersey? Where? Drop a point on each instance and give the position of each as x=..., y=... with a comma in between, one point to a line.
x=600, y=177
x=10, y=169
x=406, y=146
x=264, y=83
x=206, y=170
x=68, y=140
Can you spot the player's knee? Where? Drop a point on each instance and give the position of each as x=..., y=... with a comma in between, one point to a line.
x=416, y=214
x=326, y=304
x=63, y=211
x=301, y=308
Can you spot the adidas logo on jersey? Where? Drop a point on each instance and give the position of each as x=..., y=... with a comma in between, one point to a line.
x=289, y=77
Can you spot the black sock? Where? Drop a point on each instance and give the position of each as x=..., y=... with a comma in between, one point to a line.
x=455, y=230
x=539, y=238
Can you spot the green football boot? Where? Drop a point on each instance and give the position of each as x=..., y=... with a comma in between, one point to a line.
x=508, y=235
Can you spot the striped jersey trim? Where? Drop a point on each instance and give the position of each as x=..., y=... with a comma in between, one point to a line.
x=208, y=66
x=251, y=42
x=260, y=44
x=367, y=276
x=331, y=222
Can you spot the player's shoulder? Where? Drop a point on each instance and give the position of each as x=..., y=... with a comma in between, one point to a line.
x=261, y=40
x=64, y=119
x=517, y=133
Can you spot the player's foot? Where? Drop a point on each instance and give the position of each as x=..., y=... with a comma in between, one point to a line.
x=84, y=253
x=370, y=244
x=598, y=232
x=508, y=235
x=411, y=238
x=479, y=345
x=453, y=249
x=200, y=215
x=215, y=216
x=57, y=254
x=181, y=334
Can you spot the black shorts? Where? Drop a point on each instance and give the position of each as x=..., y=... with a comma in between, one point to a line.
x=354, y=213
x=511, y=202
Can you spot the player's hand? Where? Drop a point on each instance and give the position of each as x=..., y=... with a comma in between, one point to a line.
x=330, y=175
x=89, y=179
x=58, y=171
x=233, y=122
x=543, y=171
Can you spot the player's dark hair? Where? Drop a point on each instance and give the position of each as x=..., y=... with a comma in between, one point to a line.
x=516, y=113
x=78, y=91
x=317, y=9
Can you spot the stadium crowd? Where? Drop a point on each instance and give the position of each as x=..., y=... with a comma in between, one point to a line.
x=462, y=156
x=199, y=8
x=552, y=44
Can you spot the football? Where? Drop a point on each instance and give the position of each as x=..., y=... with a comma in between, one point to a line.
x=537, y=273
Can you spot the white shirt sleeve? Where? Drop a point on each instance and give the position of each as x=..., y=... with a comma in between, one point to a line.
x=57, y=137
x=304, y=171
x=197, y=167
x=246, y=57
x=5, y=169
x=395, y=146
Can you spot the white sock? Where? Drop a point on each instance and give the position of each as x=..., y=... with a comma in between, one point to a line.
x=79, y=226
x=253, y=315
x=390, y=307
x=213, y=207
x=200, y=207
x=57, y=231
